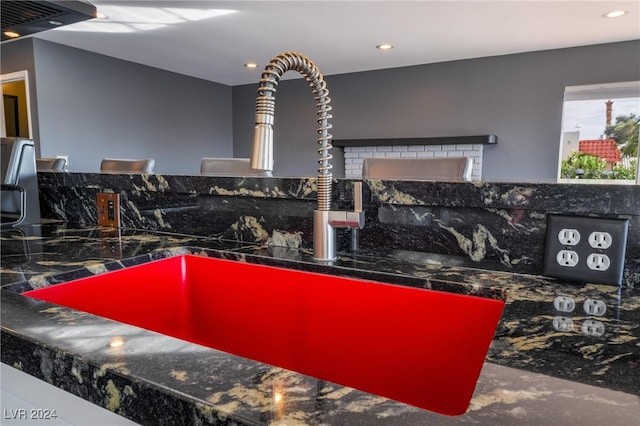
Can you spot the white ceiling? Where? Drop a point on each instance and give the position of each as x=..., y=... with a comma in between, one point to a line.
x=188, y=37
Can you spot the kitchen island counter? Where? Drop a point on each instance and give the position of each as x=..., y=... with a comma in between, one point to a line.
x=544, y=365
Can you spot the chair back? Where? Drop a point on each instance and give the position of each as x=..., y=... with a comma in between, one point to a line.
x=131, y=166
x=211, y=166
x=50, y=164
x=440, y=168
x=20, y=200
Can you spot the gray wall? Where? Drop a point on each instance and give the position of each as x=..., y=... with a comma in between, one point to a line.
x=92, y=106
x=516, y=97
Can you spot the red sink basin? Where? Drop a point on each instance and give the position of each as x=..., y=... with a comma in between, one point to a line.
x=421, y=347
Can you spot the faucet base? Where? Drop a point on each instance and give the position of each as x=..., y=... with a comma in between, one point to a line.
x=324, y=236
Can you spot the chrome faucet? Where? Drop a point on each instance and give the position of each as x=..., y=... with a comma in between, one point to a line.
x=325, y=221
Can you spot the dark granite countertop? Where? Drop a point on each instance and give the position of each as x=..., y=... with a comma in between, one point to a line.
x=537, y=371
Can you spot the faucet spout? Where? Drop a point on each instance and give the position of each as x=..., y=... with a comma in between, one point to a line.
x=262, y=151
x=265, y=108
x=325, y=221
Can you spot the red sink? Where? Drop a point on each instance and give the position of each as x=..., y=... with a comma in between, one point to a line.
x=421, y=347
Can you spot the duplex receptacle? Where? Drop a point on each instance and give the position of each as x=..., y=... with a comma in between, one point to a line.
x=585, y=249
x=569, y=237
x=593, y=328
x=598, y=262
x=594, y=307
x=564, y=303
x=600, y=240
x=567, y=258
x=562, y=323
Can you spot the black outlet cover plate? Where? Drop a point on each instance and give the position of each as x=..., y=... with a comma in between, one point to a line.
x=617, y=228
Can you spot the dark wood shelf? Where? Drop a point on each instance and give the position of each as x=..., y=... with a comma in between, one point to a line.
x=445, y=140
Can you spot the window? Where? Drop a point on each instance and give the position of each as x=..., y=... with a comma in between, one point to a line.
x=599, y=140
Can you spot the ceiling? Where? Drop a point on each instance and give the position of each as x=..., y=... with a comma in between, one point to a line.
x=213, y=40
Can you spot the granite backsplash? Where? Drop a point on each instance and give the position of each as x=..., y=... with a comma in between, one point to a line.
x=485, y=225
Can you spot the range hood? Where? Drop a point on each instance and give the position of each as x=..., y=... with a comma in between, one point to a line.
x=29, y=17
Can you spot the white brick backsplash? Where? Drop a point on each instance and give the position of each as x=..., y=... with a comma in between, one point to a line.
x=464, y=147
x=354, y=156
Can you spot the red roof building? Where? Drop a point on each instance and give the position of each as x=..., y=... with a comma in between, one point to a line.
x=606, y=149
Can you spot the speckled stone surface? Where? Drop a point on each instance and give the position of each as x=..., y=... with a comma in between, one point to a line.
x=487, y=225
x=544, y=366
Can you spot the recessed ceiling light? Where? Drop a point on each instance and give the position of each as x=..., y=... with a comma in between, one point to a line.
x=55, y=23
x=385, y=46
x=11, y=34
x=101, y=15
x=615, y=14
x=251, y=65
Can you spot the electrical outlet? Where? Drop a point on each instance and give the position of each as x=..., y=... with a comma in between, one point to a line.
x=585, y=249
x=600, y=240
x=564, y=304
x=594, y=307
x=562, y=323
x=569, y=237
x=593, y=328
x=108, y=209
x=598, y=262
x=567, y=258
